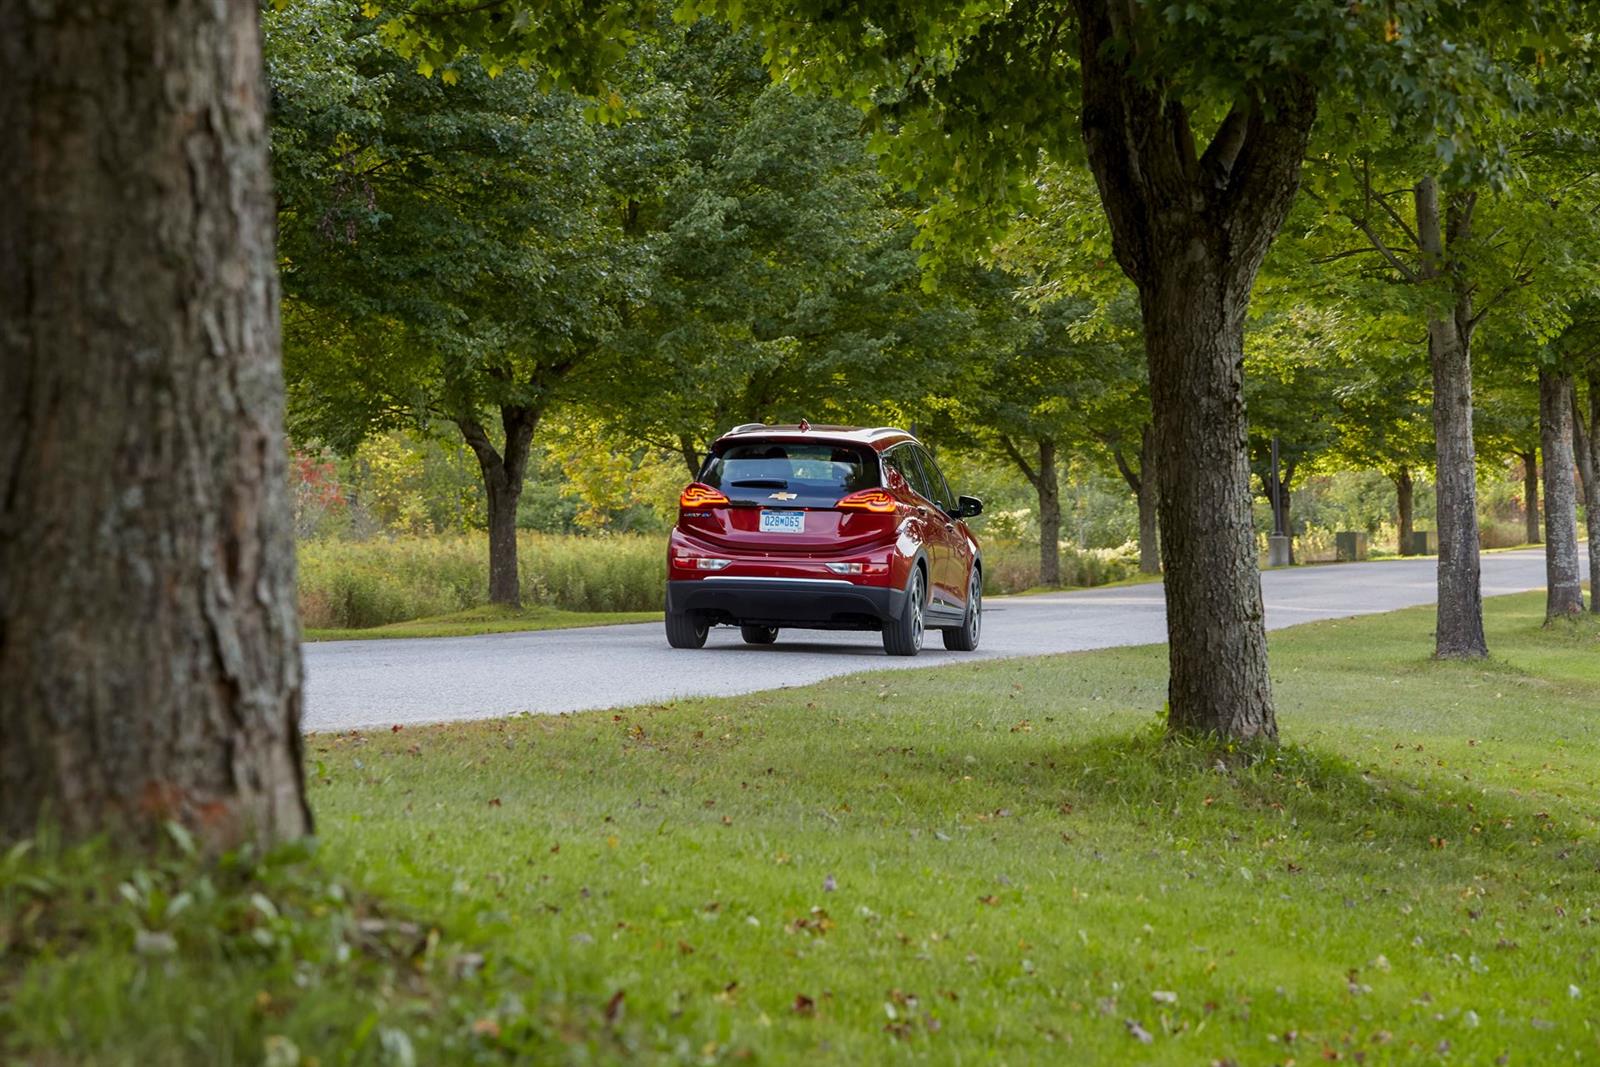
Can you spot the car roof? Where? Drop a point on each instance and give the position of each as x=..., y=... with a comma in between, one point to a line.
x=878, y=437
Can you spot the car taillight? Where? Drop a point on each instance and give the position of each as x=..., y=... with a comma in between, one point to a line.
x=877, y=500
x=866, y=567
x=700, y=495
x=692, y=561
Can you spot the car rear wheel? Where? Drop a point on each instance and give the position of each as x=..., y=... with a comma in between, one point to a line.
x=965, y=639
x=758, y=635
x=685, y=630
x=903, y=636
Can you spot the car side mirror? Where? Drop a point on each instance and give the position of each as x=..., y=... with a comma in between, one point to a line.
x=968, y=506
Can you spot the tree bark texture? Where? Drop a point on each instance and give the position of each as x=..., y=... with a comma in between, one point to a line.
x=1405, y=507
x=1530, y=492
x=1563, y=573
x=504, y=472
x=149, y=646
x=1143, y=484
x=1458, y=631
x=1190, y=229
x=1586, y=440
x=1046, y=482
x=1049, y=488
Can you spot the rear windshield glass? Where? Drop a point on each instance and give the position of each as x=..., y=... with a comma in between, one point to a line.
x=790, y=474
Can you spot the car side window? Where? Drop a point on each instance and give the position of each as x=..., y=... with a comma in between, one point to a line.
x=940, y=489
x=891, y=461
x=903, y=459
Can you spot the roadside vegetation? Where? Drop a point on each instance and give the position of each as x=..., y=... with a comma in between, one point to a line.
x=488, y=619
x=347, y=584
x=1000, y=862
x=391, y=538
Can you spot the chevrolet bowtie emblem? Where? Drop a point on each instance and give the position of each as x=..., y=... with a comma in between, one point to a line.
x=780, y=495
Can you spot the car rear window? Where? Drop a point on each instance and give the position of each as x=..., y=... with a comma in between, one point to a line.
x=792, y=474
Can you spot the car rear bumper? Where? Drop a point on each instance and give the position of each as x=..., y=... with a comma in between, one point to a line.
x=807, y=603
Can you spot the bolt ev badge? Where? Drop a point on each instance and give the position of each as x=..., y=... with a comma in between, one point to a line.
x=781, y=495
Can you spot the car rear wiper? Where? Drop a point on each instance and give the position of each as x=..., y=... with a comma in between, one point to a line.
x=761, y=483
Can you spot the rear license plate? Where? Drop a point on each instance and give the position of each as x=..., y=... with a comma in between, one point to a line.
x=789, y=522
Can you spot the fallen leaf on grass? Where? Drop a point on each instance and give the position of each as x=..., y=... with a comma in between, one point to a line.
x=804, y=1005
x=614, y=1007
x=466, y=964
x=1138, y=1032
x=991, y=900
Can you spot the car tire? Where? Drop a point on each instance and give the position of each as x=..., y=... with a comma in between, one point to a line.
x=965, y=638
x=903, y=636
x=758, y=635
x=685, y=630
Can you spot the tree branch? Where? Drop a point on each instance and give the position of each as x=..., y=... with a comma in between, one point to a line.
x=1223, y=151
x=1129, y=475
x=1377, y=243
x=1331, y=257
x=1021, y=461
x=1266, y=171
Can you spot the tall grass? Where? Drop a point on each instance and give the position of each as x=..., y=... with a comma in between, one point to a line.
x=356, y=584
x=1013, y=566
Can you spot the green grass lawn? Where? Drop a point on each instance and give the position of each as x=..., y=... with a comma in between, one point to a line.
x=994, y=863
x=490, y=619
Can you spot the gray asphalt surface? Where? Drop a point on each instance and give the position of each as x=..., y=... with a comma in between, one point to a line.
x=352, y=684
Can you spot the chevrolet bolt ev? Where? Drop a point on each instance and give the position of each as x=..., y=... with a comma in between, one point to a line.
x=824, y=528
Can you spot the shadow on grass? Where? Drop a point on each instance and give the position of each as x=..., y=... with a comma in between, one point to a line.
x=1146, y=779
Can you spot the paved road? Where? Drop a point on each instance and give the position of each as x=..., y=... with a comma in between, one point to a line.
x=376, y=683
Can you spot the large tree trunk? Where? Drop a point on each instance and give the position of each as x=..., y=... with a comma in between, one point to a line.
x=1190, y=229
x=1143, y=484
x=1580, y=447
x=149, y=648
x=1046, y=484
x=1049, y=488
x=1563, y=576
x=1530, y=494
x=1586, y=438
x=1404, y=505
x=503, y=475
x=1217, y=641
x=1591, y=467
x=1459, y=629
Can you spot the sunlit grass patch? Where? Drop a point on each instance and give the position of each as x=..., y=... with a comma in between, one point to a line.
x=994, y=862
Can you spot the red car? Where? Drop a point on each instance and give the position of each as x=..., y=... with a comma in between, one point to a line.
x=824, y=528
